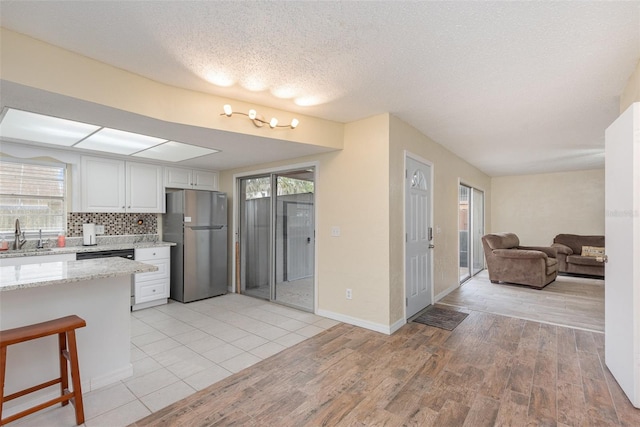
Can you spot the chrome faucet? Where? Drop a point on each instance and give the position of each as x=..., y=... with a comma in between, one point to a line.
x=40, y=245
x=20, y=239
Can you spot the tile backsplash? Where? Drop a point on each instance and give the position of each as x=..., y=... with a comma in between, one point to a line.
x=114, y=223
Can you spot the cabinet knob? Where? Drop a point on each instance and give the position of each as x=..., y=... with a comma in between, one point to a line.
x=128, y=207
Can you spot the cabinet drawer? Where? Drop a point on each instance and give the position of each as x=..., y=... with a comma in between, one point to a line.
x=149, y=291
x=144, y=254
x=161, y=274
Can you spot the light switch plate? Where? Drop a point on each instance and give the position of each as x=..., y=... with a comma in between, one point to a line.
x=335, y=231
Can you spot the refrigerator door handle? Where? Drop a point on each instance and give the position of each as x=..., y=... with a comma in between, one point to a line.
x=206, y=227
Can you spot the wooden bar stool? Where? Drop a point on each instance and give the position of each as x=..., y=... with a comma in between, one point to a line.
x=65, y=328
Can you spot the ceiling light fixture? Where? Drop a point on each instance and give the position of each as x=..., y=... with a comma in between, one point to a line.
x=258, y=120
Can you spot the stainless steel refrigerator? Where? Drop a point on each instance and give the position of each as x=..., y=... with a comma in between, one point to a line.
x=196, y=221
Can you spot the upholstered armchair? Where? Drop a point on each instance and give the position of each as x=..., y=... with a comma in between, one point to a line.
x=507, y=261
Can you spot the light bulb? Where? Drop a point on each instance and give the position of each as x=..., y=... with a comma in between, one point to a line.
x=273, y=123
x=294, y=123
x=252, y=114
x=227, y=110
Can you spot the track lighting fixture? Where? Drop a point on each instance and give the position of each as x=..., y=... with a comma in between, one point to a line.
x=258, y=120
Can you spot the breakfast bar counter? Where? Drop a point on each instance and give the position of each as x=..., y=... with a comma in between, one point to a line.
x=97, y=290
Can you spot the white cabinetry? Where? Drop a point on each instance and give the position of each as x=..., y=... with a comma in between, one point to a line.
x=152, y=288
x=190, y=179
x=109, y=185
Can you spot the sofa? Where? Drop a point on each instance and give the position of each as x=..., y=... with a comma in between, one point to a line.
x=580, y=254
x=509, y=262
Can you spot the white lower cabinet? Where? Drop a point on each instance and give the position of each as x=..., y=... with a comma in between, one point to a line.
x=152, y=288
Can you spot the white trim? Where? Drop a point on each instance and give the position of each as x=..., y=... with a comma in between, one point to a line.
x=236, y=211
x=408, y=154
x=376, y=327
x=397, y=325
x=446, y=292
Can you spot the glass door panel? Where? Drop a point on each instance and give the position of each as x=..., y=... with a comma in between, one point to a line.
x=477, y=227
x=294, y=239
x=277, y=237
x=464, y=216
x=255, y=233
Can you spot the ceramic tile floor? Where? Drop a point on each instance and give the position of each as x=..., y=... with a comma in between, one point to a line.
x=178, y=349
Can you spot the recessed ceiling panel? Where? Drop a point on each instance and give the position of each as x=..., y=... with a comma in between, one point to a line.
x=26, y=126
x=173, y=151
x=118, y=142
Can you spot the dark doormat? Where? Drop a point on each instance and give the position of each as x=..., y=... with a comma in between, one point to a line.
x=441, y=317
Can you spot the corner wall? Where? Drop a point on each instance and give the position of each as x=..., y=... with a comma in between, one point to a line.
x=631, y=92
x=448, y=170
x=352, y=187
x=538, y=207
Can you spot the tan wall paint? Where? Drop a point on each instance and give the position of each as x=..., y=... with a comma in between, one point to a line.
x=448, y=170
x=538, y=207
x=352, y=188
x=631, y=92
x=36, y=64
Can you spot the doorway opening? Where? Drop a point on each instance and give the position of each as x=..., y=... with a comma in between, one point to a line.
x=470, y=231
x=277, y=237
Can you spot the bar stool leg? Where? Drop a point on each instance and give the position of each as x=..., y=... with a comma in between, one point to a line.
x=64, y=376
x=3, y=365
x=75, y=376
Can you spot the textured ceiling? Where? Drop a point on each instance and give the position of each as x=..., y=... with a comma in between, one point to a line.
x=512, y=87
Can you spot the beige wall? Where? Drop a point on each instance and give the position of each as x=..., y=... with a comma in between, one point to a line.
x=361, y=189
x=448, y=171
x=538, y=207
x=36, y=64
x=351, y=193
x=631, y=92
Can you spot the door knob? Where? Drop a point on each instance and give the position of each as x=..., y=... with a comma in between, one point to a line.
x=431, y=246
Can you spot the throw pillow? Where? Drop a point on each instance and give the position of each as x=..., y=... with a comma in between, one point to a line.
x=593, y=251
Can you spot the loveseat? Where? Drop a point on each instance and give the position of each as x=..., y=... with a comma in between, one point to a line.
x=580, y=254
x=509, y=262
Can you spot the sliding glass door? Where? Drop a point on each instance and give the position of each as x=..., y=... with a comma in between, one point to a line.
x=470, y=230
x=277, y=237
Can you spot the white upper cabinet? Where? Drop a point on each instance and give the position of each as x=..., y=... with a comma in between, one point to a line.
x=102, y=185
x=109, y=185
x=190, y=179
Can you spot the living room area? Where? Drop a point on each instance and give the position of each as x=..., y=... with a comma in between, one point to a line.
x=539, y=209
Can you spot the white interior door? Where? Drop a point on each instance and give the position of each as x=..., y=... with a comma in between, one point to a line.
x=418, y=236
x=622, y=240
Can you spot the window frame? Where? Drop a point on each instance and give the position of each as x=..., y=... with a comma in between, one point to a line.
x=31, y=232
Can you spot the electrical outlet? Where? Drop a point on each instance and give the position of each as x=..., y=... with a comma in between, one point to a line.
x=335, y=231
x=348, y=293
x=99, y=229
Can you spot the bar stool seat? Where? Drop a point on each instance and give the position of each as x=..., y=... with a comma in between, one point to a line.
x=65, y=328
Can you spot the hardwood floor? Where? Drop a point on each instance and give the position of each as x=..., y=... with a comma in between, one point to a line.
x=568, y=301
x=490, y=371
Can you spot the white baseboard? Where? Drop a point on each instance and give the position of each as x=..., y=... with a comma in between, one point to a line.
x=446, y=292
x=397, y=325
x=377, y=327
x=109, y=378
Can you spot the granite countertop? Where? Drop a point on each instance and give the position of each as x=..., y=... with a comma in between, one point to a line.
x=76, y=249
x=57, y=273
